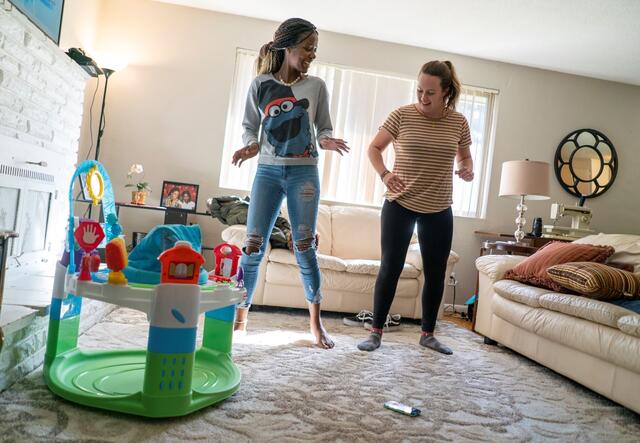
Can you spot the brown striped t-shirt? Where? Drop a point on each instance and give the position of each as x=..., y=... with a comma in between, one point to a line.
x=425, y=151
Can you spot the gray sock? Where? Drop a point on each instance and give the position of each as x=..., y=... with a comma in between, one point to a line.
x=371, y=343
x=429, y=341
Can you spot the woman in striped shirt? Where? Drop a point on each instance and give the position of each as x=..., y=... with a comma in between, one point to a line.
x=428, y=136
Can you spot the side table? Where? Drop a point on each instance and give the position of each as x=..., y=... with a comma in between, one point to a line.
x=502, y=237
x=507, y=247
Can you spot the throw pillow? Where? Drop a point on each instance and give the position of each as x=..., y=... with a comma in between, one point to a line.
x=596, y=280
x=533, y=269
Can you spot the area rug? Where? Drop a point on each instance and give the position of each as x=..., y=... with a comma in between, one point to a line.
x=293, y=392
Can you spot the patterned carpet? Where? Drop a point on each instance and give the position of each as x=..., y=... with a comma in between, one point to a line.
x=291, y=392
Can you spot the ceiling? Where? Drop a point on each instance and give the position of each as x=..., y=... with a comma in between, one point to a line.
x=594, y=38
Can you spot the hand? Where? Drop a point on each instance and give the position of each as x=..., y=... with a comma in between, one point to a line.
x=89, y=234
x=393, y=182
x=465, y=174
x=334, y=144
x=245, y=154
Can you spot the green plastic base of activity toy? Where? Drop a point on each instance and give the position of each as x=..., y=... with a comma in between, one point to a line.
x=114, y=380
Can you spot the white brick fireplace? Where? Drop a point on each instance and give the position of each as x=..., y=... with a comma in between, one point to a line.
x=41, y=106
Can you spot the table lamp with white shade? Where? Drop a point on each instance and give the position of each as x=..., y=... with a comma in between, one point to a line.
x=524, y=180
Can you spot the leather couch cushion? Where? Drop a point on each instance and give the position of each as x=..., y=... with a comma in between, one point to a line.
x=533, y=270
x=289, y=275
x=630, y=324
x=519, y=292
x=356, y=233
x=324, y=261
x=595, y=339
x=371, y=267
x=627, y=247
x=596, y=280
x=586, y=308
x=323, y=228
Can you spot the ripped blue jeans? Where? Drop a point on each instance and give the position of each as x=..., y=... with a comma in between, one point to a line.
x=301, y=185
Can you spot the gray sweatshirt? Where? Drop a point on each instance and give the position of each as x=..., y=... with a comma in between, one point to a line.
x=287, y=121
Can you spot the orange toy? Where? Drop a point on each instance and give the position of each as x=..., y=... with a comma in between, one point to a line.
x=180, y=264
x=117, y=259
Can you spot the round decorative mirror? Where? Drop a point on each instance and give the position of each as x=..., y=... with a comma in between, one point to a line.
x=586, y=163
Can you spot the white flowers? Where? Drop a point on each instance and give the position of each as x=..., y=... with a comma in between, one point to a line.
x=140, y=185
x=135, y=169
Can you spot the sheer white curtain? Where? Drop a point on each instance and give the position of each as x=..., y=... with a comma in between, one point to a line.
x=477, y=105
x=360, y=103
x=232, y=177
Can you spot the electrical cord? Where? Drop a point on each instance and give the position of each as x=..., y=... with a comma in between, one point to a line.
x=91, y=118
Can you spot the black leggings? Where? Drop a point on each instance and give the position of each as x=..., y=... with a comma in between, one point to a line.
x=435, y=232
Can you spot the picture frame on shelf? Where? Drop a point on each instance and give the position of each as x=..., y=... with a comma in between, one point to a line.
x=178, y=195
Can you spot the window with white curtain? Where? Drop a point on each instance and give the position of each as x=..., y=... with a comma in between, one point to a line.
x=360, y=103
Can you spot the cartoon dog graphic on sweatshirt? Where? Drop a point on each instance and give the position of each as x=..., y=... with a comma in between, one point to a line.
x=286, y=121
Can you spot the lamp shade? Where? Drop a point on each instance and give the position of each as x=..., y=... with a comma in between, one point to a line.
x=525, y=178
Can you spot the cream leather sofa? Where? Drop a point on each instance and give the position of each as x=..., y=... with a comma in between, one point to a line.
x=349, y=259
x=595, y=343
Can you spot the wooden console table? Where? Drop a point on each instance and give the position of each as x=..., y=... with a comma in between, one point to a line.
x=172, y=216
x=529, y=241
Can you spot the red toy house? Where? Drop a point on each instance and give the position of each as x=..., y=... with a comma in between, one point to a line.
x=180, y=264
x=227, y=257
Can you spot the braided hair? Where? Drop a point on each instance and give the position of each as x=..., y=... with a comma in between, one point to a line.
x=448, y=80
x=290, y=32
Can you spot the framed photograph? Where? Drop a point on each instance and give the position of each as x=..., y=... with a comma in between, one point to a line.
x=45, y=14
x=179, y=196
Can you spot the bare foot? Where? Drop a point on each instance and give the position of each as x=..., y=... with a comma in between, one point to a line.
x=323, y=340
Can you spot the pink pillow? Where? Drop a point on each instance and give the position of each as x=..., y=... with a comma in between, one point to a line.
x=533, y=270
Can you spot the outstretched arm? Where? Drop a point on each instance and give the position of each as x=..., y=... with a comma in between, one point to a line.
x=251, y=127
x=324, y=127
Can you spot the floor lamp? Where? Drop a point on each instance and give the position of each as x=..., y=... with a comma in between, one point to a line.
x=107, y=73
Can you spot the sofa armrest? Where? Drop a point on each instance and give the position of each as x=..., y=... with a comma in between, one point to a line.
x=415, y=259
x=491, y=268
x=235, y=234
x=495, y=266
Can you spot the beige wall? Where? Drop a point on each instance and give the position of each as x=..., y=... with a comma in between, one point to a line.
x=167, y=110
x=80, y=23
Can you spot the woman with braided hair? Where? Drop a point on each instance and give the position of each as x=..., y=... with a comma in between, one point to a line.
x=286, y=120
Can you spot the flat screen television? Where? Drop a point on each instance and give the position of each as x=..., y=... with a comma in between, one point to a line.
x=45, y=14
